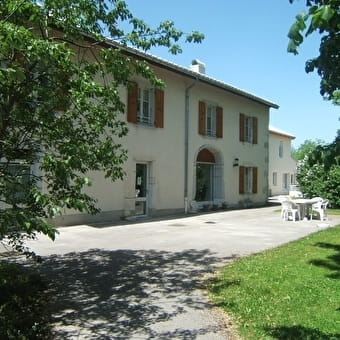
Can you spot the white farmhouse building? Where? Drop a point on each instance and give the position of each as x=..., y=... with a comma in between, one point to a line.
x=197, y=142
x=282, y=167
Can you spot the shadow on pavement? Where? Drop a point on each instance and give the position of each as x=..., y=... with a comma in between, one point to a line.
x=126, y=294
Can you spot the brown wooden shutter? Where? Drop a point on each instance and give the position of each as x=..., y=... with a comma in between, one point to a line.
x=255, y=130
x=219, y=122
x=241, y=179
x=159, y=108
x=254, y=180
x=201, y=118
x=242, y=123
x=132, y=102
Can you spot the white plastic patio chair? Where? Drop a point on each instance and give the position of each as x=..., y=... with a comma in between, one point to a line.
x=320, y=207
x=289, y=210
x=294, y=191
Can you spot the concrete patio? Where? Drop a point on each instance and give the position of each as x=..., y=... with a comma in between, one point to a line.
x=146, y=279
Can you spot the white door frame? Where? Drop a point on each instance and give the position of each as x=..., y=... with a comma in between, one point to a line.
x=142, y=189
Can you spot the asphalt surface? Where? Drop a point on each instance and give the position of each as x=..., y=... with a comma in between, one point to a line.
x=146, y=279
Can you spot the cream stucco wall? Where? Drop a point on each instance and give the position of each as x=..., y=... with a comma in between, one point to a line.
x=229, y=147
x=162, y=149
x=280, y=165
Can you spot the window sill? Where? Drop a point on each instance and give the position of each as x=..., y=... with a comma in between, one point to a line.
x=146, y=125
x=210, y=137
x=248, y=143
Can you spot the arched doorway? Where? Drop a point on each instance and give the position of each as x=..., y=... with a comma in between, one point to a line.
x=204, y=176
x=209, y=173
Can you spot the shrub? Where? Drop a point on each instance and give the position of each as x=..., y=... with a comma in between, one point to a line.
x=319, y=172
x=23, y=302
x=332, y=186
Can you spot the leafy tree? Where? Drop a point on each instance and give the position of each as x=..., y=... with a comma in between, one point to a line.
x=305, y=148
x=323, y=16
x=60, y=109
x=319, y=172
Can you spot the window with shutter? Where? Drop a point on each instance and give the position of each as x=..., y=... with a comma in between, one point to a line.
x=210, y=120
x=145, y=105
x=248, y=129
x=248, y=180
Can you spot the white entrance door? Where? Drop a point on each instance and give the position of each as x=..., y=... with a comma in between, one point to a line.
x=141, y=206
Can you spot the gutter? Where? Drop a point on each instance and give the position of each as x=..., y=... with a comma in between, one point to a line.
x=186, y=144
x=173, y=67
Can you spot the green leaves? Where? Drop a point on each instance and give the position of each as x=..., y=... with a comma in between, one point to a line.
x=195, y=36
x=322, y=17
x=61, y=114
x=319, y=170
x=294, y=33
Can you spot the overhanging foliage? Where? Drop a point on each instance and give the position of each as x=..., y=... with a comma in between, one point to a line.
x=323, y=16
x=61, y=115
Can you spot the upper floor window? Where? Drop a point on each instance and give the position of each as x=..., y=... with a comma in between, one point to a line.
x=248, y=129
x=145, y=105
x=281, y=149
x=210, y=120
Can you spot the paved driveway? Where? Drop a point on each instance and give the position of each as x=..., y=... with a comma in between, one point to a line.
x=146, y=280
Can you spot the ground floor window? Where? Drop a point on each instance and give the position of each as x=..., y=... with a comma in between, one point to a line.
x=247, y=180
x=285, y=181
x=292, y=179
x=274, y=178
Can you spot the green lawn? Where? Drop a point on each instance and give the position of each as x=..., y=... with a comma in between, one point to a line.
x=333, y=211
x=290, y=292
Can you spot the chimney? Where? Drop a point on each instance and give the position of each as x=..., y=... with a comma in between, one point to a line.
x=197, y=66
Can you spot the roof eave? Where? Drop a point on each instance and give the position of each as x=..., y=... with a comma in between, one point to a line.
x=192, y=74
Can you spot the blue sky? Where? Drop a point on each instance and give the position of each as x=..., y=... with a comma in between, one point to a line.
x=245, y=45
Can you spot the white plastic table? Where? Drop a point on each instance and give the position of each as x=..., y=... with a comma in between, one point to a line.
x=305, y=206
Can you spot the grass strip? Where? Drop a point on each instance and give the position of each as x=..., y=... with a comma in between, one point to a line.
x=289, y=292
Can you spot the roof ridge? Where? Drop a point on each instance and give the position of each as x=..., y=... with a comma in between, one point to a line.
x=199, y=76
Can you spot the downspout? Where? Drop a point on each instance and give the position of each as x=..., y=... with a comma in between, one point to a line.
x=186, y=145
